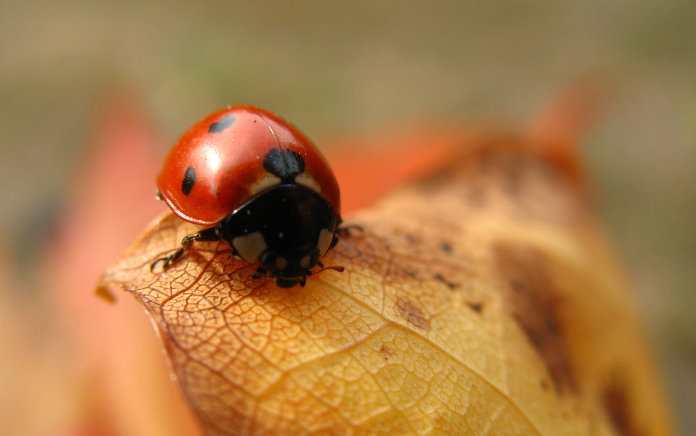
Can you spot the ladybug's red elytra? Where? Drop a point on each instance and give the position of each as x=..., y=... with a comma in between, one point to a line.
x=260, y=185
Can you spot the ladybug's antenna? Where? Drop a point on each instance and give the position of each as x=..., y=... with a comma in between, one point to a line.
x=324, y=268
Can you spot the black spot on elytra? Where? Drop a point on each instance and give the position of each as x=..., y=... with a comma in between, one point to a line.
x=285, y=164
x=222, y=124
x=189, y=181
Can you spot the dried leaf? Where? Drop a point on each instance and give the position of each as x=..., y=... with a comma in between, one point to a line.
x=483, y=300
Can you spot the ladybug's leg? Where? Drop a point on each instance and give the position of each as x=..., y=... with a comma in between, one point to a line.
x=324, y=268
x=260, y=272
x=345, y=231
x=186, y=244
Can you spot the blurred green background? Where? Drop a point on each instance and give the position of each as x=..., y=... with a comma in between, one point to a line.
x=362, y=66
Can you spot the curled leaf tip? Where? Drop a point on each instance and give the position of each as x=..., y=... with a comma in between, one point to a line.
x=105, y=293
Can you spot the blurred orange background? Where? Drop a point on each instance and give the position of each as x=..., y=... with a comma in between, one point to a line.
x=333, y=69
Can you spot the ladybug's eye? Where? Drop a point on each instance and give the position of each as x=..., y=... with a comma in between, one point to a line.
x=271, y=261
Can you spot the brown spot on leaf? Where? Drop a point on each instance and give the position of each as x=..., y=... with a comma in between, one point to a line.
x=386, y=351
x=447, y=283
x=410, y=272
x=476, y=307
x=412, y=314
x=534, y=301
x=615, y=400
x=446, y=247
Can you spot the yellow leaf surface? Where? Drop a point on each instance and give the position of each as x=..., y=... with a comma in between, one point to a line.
x=481, y=301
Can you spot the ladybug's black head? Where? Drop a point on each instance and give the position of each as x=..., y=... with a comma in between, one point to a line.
x=289, y=283
x=289, y=268
x=286, y=229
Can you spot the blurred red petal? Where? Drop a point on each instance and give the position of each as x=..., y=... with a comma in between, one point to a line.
x=125, y=377
x=368, y=168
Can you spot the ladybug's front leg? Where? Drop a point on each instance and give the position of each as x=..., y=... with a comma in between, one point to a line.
x=345, y=231
x=259, y=273
x=186, y=244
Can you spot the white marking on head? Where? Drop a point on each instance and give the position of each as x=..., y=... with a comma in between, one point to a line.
x=304, y=262
x=308, y=182
x=266, y=182
x=325, y=239
x=250, y=246
x=281, y=263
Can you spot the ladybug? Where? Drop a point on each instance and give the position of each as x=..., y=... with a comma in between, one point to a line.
x=259, y=184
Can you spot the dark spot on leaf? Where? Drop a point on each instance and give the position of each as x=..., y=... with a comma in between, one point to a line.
x=412, y=314
x=476, y=307
x=448, y=283
x=534, y=301
x=409, y=238
x=222, y=124
x=446, y=247
x=615, y=400
x=403, y=270
x=189, y=181
x=386, y=352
